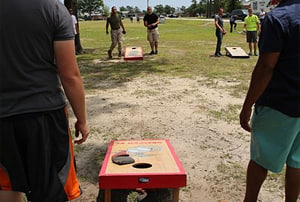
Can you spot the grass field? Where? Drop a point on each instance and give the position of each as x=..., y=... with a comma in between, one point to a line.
x=186, y=49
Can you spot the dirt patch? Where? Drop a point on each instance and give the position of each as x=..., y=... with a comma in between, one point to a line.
x=212, y=147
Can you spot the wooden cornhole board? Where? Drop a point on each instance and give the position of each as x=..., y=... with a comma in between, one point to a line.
x=156, y=166
x=236, y=52
x=133, y=53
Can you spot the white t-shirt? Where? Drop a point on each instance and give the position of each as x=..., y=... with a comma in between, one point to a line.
x=74, y=23
x=262, y=15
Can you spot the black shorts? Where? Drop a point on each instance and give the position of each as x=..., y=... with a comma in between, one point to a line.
x=37, y=158
x=251, y=36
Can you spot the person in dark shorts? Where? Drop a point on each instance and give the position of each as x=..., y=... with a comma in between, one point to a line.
x=275, y=91
x=151, y=21
x=251, y=27
x=38, y=68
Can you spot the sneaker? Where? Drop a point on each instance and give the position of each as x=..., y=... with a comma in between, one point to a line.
x=255, y=54
x=217, y=55
x=109, y=54
x=156, y=52
x=250, y=53
x=120, y=54
x=151, y=53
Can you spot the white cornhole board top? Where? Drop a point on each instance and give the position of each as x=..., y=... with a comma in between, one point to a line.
x=133, y=53
x=236, y=52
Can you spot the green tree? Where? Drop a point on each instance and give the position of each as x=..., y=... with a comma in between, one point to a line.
x=169, y=9
x=122, y=8
x=106, y=10
x=90, y=6
x=232, y=4
x=159, y=9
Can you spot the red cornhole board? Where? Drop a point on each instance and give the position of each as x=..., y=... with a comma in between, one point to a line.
x=156, y=166
x=133, y=53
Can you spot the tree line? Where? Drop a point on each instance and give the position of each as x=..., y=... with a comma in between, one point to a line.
x=197, y=7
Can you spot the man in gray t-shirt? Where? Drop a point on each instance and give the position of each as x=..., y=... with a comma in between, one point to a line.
x=38, y=68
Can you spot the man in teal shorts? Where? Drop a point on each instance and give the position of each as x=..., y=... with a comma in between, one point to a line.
x=275, y=90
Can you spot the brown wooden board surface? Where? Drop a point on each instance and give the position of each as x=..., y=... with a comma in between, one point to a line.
x=156, y=165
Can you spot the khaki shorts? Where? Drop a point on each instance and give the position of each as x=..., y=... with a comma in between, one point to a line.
x=153, y=35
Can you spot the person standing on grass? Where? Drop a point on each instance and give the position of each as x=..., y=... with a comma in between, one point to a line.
x=220, y=31
x=38, y=68
x=76, y=30
x=232, y=23
x=251, y=27
x=262, y=15
x=115, y=22
x=151, y=21
x=275, y=91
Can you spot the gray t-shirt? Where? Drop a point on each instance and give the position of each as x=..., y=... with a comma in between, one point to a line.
x=220, y=22
x=28, y=75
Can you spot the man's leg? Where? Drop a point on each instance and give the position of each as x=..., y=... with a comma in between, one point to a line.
x=120, y=43
x=250, y=48
x=255, y=47
x=114, y=41
x=219, y=43
x=152, y=46
x=256, y=175
x=292, y=184
x=11, y=196
x=156, y=46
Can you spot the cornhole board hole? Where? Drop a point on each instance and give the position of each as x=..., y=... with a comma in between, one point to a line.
x=133, y=53
x=236, y=52
x=156, y=166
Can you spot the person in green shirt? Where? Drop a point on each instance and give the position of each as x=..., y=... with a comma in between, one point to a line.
x=252, y=26
x=115, y=22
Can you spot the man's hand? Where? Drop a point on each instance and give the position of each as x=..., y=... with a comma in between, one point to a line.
x=106, y=32
x=124, y=32
x=245, y=118
x=84, y=130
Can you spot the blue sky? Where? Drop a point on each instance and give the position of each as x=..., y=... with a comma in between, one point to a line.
x=142, y=4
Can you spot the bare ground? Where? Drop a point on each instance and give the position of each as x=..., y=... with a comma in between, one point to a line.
x=199, y=120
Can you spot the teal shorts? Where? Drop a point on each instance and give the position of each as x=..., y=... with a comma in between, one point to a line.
x=275, y=139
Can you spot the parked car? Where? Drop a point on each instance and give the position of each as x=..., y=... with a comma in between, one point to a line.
x=240, y=14
x=173, y=16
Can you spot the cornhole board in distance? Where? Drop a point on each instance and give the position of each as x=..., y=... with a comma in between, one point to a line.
x=133, y=53
x=156, y=166
x=236, y=52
